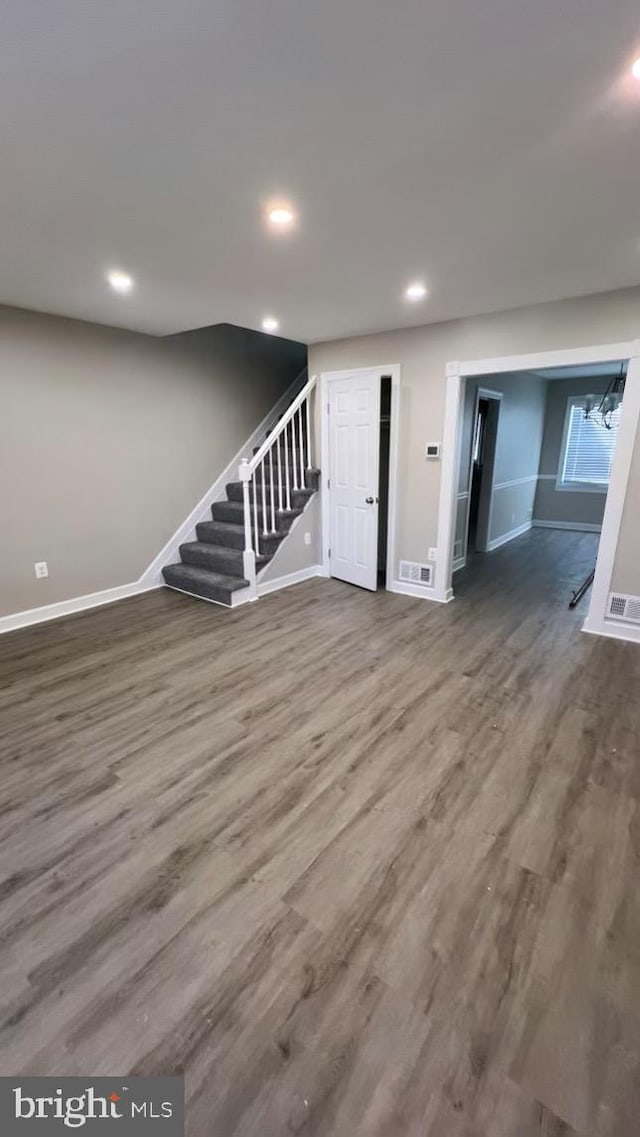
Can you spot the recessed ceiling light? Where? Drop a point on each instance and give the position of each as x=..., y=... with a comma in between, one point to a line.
x=120, y=281
x=416, y=291
x=635, y=70
x=270, y=324
x=281, y=215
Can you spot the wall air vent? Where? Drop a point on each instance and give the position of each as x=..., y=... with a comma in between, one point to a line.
x=624, y=608
x=415, y=573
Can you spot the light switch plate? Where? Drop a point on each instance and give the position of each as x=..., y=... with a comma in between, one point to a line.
x=41, y=569
x=432, y=553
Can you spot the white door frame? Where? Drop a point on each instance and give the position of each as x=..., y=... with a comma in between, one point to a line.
x=457, y=372
x=392, y=369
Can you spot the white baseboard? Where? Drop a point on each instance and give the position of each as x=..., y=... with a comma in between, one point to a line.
x=506, y=537
x=403, y=588
x=578, y=526
x=290, y=578
x=69, y=607
x=613, y=629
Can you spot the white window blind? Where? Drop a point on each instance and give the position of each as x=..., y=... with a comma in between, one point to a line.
x=588, y=447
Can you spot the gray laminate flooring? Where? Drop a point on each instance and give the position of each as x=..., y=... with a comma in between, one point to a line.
x=359, y=865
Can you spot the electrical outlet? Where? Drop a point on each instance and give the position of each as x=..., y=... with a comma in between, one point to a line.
x=307, y=538
x=432, y=553
x=41, y=569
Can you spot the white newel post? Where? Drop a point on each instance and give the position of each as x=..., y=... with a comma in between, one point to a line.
x=248, y=556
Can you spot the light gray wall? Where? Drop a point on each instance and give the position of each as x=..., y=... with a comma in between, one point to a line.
x=293, y=555
x=519, y=439
x=552, y=504
x=108, y=439
x=423, y=353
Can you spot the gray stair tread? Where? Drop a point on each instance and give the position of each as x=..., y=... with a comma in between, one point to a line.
x=218, y=550
x=221, y=534
x=205, y=576
x=237, y=508
x=230, y=526
x=206, y=547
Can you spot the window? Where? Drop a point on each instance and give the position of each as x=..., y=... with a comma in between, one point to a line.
x=587, y=448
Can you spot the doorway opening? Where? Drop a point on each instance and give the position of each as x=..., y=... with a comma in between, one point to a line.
x=535, y=457
x=383, y=478
x=359, y=446
x=483, y=457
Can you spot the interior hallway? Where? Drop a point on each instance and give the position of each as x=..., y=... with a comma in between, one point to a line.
x=358, y=864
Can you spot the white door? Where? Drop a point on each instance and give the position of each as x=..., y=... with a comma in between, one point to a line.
x=354, y=445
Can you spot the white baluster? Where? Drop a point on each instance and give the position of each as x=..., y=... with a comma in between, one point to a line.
x=294, y=457
x=279, y=446
x=273, y=496
x=301, y=454
x=264, y=502
x=256, y=527
x=307, y=407
x=286, y=466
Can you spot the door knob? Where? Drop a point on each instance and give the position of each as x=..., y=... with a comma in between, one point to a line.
x=371, y=500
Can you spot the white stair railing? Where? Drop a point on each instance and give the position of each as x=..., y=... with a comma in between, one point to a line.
x=274, y=473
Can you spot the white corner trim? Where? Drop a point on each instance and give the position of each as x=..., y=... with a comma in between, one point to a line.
x=613, y=629
x=506, y=537
x=69, y=607
x=202, y=511
x=578, y=526
x=290, y=578
x=447, y=506
x=402, y=588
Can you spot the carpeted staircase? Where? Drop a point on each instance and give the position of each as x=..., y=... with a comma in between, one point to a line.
x=212, y=566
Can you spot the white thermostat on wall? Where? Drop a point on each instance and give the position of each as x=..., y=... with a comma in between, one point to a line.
x=432, y=450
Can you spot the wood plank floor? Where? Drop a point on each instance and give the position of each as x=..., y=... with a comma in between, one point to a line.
x=359, y=865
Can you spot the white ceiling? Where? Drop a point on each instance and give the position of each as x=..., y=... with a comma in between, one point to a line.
x=491, y=148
